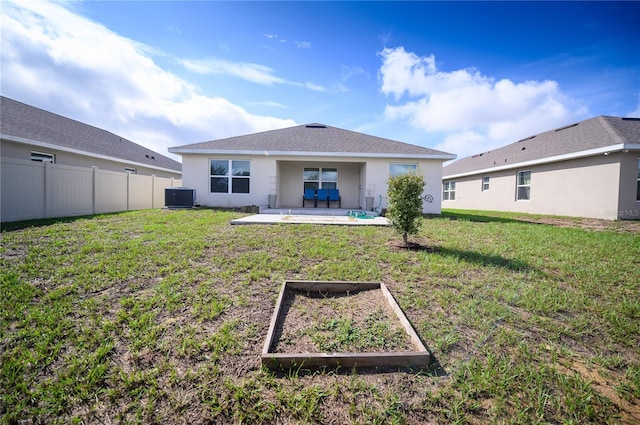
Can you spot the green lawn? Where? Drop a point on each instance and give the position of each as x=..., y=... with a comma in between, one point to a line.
x=160, y=316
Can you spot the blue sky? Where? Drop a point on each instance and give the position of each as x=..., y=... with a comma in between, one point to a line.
x=462, y=77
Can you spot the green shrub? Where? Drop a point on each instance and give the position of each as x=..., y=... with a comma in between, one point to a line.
x=405, y=204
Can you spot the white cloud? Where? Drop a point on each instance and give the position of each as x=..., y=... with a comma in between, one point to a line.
x=252, y=72
x=60, y=61
x=473, y=112
x=303, y=44
x=269, y=104
x=314, y=87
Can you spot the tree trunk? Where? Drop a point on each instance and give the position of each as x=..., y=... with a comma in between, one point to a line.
x=405, y=238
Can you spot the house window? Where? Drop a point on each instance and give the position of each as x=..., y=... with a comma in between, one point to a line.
x=449, y=193
x=397, y=169
x=43, y=157
x=320, y=178
x=230, y=176
x=485, y=183
x=523, y=190
x=130, y=170
x=638, y=190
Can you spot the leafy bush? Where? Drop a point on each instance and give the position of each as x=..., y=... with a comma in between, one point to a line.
x=405, y=203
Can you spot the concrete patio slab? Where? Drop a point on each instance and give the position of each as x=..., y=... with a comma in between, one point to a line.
x=286, y=218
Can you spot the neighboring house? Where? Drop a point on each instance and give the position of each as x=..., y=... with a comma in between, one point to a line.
x=587, y=169
x=245, y=170
x=52, y=166
x=29, y=133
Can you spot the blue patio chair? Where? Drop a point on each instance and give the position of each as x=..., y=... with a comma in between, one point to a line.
x=334, y=195
x=323, y=195
x=309, y=195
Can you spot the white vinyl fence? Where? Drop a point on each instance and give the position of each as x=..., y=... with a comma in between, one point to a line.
x=41, y=190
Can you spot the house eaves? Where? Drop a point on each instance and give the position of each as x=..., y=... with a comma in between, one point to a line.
x=22, y=121
x=606, y=150
x=594, y=136
x=52, y=146
x=441, y=156
x=311, y=140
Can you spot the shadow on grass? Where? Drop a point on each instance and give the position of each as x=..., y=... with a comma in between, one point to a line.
x=483, y=259
x=480, y=218
x=434, y=369
x=41, y=222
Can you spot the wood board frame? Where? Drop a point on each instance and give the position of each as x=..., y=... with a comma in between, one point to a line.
x=420, y=357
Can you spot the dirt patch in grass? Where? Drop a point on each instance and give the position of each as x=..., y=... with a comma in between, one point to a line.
x=604, y=385
x=339, y=322
x=627, y=226
x=411, y=246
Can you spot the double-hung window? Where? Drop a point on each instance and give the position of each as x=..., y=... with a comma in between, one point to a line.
x=449, y=192
x=523, y=188
x=485, y=183
x=320, y=178
x=230, y=176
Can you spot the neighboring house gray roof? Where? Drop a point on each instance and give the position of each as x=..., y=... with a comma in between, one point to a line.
x=21, y=122
x=590, y=137
x=312, y=140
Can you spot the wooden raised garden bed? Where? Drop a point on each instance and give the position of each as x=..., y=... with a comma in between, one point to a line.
x=349, y=324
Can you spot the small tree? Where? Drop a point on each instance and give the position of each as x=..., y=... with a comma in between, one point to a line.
x=405, y=204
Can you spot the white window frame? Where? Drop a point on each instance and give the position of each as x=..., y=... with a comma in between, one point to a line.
x=449, y=190
x=486, y=181
x=522, y=186
x=43, y=157
x=230, y=176
x=323, y=181
x=395, y=168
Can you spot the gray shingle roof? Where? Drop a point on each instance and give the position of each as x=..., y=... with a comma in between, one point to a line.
x=594, y=133
x=318, y=139
x=24, y=121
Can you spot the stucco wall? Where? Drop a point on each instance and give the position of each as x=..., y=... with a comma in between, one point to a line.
x=377, y=177
x=284, y=175
x=22, y=151
x=584, y=187
x=196, y=176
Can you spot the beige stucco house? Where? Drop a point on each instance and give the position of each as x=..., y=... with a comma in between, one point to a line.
x=587, y=169
x=33, y=134
x=245, y=170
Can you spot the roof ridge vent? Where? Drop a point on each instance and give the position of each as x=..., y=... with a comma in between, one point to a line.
x=480, y=154
x=527, y=138
x=566, y=127
x=630, y=119
x=316, y=126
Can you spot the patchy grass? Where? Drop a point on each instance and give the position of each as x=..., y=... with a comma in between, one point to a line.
x=159, y=316
x=317, y=322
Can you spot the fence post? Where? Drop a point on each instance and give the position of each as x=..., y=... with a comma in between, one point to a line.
x=128, y=188
x=94, y=188
x=48, y=196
